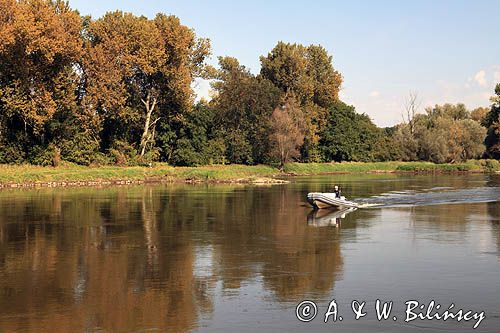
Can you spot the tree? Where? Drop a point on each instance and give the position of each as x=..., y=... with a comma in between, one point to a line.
x=244, y=105
x=349, y=136
x=471, y=140
x=412, y=104
x=186, y=55
x=448, y=111
x=492, y=122
x=464, y=136
x=139, y=71
x=308, y=74
x=148, y=134
x=198, y=142
x=40, y=47
x=446, y=133
x=288, y=131
x=478, y=114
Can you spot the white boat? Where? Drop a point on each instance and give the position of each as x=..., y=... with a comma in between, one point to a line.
x=329, y=200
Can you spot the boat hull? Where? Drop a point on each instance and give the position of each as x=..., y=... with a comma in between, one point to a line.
x=328, y=200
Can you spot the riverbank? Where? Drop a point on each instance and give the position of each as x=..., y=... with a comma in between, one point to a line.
x=12, y=176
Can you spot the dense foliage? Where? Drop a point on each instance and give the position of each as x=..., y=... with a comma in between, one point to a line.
x=445, y=133
x=118, y=90
x=350, y=136
x=492, y=122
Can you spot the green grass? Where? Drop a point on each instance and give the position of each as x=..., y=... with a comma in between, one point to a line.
x=357, y=167
x=472, y=165
x=222, y=172
x=319, y=168
x=73, y=173
x=24, y=174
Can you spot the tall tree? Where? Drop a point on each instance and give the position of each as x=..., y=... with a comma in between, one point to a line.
x=140, y=71
x=40, y=46
x=244, y=105
x=308, y=74
x=349, y=136
x=492, y=122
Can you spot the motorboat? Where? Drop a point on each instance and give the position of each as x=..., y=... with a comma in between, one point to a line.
x=329, y=200
x=327, y=217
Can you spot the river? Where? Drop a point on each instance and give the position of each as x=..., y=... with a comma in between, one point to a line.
x=240, y=258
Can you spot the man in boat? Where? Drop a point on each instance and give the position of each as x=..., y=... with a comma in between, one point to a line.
x=337, y=192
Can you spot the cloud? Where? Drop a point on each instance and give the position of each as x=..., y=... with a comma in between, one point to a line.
x=480, y=78
x=496, y=77
x=386, y=108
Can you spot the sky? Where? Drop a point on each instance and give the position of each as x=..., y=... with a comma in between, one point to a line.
x=446, y=51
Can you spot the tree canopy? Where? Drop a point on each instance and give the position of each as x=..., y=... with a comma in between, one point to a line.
x=40, y=45
x=446, y=133
x=119, y=90
x=349, y=136
x=492, y=122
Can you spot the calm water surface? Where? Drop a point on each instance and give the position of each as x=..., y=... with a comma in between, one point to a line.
x=240, y=258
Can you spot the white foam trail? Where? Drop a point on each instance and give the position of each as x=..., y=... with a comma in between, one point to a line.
x=426, y=198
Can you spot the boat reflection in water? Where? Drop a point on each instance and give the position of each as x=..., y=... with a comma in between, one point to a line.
x=327, y=217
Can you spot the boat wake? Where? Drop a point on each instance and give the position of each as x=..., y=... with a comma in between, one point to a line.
x=432, y=196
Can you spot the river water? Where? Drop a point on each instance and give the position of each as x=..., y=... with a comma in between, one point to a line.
x=240, y=258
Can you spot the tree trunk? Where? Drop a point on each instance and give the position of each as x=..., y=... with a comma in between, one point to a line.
x=150, y=106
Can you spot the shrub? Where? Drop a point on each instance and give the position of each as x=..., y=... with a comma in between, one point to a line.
x=490, y=165
x=149, y=157
x=81, y=149
x=123, y=153
x=185, y=154
x=11, y=153
x=215, y=152
x=45, y=155
x=239, y=149
x=100, y=159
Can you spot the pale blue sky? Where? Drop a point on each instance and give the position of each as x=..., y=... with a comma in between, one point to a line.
x=447, y=51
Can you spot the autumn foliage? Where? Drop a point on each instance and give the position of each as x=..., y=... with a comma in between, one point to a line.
x=119, y=90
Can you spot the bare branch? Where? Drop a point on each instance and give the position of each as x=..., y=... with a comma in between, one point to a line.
x=412, y=104
x=153, y=105
x=154, y=122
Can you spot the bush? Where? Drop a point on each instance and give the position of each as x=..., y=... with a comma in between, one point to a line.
x=81, y=149
x=100, y=159
x=45, y=155
x=490, y=165
x=185, y=154
x=11, y=153
x=123, y=153
x=149, y=157
x=215, y=152
x=239, y=149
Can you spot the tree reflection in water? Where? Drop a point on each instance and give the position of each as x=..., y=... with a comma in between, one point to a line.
x=165, y=257
x=137, y=258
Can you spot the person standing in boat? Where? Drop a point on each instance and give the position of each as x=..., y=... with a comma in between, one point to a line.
x=337, y=192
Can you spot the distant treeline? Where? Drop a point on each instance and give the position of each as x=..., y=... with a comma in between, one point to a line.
x=118, y=90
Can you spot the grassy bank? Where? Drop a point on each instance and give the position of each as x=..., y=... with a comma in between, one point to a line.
x=356, y=167
x=71, y=174
x=25, y=174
